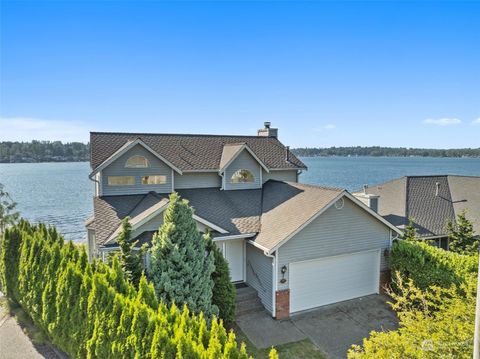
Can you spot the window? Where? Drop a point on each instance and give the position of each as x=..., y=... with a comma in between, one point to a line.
x=137, y=162
x=242, y=176
x=121, y=180
x=154, y=179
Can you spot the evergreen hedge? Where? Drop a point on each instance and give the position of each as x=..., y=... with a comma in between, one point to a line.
x=90, y=310
x=428, y=266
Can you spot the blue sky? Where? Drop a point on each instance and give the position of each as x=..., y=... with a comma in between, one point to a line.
x=324, y=73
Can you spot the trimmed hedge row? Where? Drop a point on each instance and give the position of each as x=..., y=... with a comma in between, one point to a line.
x=89, y=310
x=427, y=265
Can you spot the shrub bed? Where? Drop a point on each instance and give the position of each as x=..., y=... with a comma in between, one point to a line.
x=90, y=310
x=428, y=266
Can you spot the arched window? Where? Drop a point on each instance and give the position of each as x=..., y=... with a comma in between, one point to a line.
x=242, y=176
x=137, y=162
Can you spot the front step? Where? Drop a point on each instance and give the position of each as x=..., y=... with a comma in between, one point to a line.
x=247, y=301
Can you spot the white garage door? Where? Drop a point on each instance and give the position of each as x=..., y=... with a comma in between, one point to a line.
x=329, y=280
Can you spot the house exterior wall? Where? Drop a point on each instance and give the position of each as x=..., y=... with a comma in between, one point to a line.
x=336, y=231
x=243, y=161
x=197, y=180
x=287, y=175
x=117, y=168
x=259, y=275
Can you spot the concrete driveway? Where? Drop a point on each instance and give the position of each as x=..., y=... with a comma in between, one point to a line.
x=332, y=328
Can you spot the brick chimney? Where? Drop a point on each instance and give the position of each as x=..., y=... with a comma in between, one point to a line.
x=267, y=131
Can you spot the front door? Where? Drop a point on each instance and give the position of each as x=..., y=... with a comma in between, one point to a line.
x=234, y=253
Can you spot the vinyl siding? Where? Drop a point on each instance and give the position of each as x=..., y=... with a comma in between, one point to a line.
x=117, y=168
x=197, y=180
x=288, y=175
x=336, y=231
x=152, y=225
x=262, y=265
x=243, y=161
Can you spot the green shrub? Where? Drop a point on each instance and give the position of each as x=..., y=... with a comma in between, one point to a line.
x=90, y=310
x=224, y=293
x=427, y=265
x=436, y=323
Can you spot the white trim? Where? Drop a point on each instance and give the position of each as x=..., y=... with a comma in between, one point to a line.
x=244, y=261
x=243, y=147
x=289, y=169
x=209, y=224
x=173, y=181
x=261, y=176
x=379, y=266
x=127, y=146
x=233, y=236
x=259, y=246
x=200, y=171
x=274, y=281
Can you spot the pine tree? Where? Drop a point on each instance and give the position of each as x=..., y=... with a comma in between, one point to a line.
x=223, y=290
x=8, y=214
x=130, y=258
x=180, y=267
x=461, y=236
x=410, y=232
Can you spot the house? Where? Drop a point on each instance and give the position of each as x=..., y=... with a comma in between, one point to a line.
x=429, y=201
x=299, y=246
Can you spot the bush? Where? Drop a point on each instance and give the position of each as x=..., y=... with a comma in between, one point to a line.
x=427, y=265
x=437, y=323
x=90, y=310
x=223, y=289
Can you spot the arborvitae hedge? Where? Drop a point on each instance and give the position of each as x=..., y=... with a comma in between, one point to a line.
x=427, y=265
x=89, y=310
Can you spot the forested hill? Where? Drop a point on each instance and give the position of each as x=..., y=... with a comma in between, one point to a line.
x=386, y=151
x=43, y=151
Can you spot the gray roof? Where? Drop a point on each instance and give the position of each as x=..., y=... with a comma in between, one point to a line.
x=415, y=197
x=267, y=211
x=192, y=152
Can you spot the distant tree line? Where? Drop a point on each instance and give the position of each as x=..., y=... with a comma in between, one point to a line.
x=378, y=151
x=43, y=151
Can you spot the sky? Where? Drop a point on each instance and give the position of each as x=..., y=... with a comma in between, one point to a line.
x=325, y=73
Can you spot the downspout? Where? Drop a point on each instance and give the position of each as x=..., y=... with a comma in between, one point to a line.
x=98, y=182
x=274, y=287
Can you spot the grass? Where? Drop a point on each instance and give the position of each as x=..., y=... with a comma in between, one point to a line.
x=36, y=335
x=304, y=349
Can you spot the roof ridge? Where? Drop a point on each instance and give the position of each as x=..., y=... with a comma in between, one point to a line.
x=177, y=134
x=309, y=185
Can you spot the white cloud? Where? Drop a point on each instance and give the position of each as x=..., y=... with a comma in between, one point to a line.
x=476, y=122
x=330, y=126
x=442, y=121
x=27, y=129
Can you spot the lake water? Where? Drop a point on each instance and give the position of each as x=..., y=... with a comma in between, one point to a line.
x=61, y=193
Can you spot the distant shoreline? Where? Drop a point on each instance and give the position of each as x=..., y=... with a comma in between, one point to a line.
x=376, y=151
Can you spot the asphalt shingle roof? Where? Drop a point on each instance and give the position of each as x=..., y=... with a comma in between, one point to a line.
x=192, y=152
x=415, y=197
x=274, y=212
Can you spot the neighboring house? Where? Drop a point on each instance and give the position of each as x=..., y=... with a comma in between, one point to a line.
x=429, y=201
x=298, y=246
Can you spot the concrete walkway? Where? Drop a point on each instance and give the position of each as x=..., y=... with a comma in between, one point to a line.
x=15, y=344
x=332, y=328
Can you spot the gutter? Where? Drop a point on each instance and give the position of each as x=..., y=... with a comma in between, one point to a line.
x=274, y=286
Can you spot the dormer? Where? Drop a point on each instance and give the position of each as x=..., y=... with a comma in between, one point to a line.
x=134, y=169
x=240, y=168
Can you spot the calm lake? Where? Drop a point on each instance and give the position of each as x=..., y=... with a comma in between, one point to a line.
x=61, y=193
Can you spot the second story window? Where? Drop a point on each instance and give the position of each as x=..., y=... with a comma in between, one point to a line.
x=154, y=179
x=121, y=180
x=242, y=176
x=137, y=162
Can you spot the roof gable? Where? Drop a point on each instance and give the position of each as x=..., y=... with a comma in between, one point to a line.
x=232, y=151
x=124, y=149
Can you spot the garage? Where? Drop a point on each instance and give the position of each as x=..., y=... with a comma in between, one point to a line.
x=318, y=282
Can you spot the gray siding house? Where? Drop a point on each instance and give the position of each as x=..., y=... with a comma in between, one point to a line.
x=299, y=246
x=430, y=202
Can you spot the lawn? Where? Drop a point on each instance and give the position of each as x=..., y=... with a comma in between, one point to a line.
x=302, y=349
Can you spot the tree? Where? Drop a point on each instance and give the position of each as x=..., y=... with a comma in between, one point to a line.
x=223, y=290
x=181, y=269
x=410, y=232
x=461, y=236
x=8, y=215
x=130, y=259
